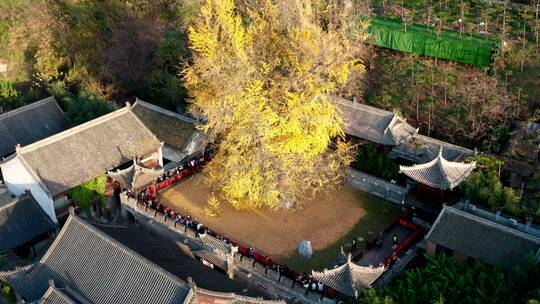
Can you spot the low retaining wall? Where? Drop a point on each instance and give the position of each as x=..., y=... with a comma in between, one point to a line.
x=501, y=218
x=375, y=186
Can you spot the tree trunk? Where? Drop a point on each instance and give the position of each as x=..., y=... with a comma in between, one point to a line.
x=536, y=23
x=429, y=119
x=503, y=33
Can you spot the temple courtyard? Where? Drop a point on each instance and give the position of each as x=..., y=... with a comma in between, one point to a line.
x=328, y=221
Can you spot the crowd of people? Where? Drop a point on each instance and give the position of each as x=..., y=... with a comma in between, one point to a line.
x=148, y=199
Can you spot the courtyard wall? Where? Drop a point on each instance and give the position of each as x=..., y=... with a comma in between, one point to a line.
x=375, y=186
x=245, y=268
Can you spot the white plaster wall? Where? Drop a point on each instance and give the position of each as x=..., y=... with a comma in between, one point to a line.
x=60, y=202
x=18, y=180
x=158, y=155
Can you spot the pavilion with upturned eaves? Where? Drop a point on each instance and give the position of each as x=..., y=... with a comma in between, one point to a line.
x=349, y=279
x=135, y=177
x=437, y=178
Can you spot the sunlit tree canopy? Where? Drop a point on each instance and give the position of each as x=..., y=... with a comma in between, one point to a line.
x=260, y=76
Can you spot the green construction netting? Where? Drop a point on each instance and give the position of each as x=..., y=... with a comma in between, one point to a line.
x=418, y=39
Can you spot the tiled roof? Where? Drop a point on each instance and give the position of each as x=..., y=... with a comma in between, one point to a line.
x=481, y=238
x=373, y=124
x=176, y=260
x=54, y=295
x=98, y=268
x=30, y=123
x=203, y=296
x=135, y=176
x=349, y=279
x=439, y=173
x=172, y=128
x=69, y=158
x=21, y=220
x=422, y=148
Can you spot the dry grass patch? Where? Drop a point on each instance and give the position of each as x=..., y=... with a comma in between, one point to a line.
x=323, y=220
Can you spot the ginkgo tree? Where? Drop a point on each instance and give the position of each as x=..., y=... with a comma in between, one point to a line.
x=260, y=76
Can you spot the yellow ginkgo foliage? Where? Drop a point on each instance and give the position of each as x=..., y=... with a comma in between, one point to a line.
x=260, y=77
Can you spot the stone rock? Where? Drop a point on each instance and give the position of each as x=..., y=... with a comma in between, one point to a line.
x=305, y=249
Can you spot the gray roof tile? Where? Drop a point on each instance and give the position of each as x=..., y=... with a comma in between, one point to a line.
x=439, y=173
x=200, y=295
x=481, y=238
x=67, y=159
x=98, y=268
x=172, y=128
x=21, y=220
x=373, y=124
x=423, y=149
x=175, y=261
x=30, y=123
x=349, y=279
x=54, y=295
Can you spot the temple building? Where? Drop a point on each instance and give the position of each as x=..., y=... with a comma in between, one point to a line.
x=87, y=265
x=390, y=129
x=373, y=124
x=439, y=173
x=422, y=149
x=135, y=177
x=96, y=269
x=179, y=259
x=349, y=279
x=23, y=223
x=30, y=123
x=469, y=237
x=434, y=182
x=178, y=132
x=51, y=167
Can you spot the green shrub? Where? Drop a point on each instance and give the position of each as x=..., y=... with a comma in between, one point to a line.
x=374, y=160
x=446, y=280
x=90, y=192
x=485, y=187
x=8, y=293
x=496, y=139
x=80, y=107
x=9, y=96
x=163, y=86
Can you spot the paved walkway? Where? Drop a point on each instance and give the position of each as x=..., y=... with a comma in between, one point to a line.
x=375, y=256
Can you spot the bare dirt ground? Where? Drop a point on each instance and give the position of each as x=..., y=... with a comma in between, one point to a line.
x=277, y=233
